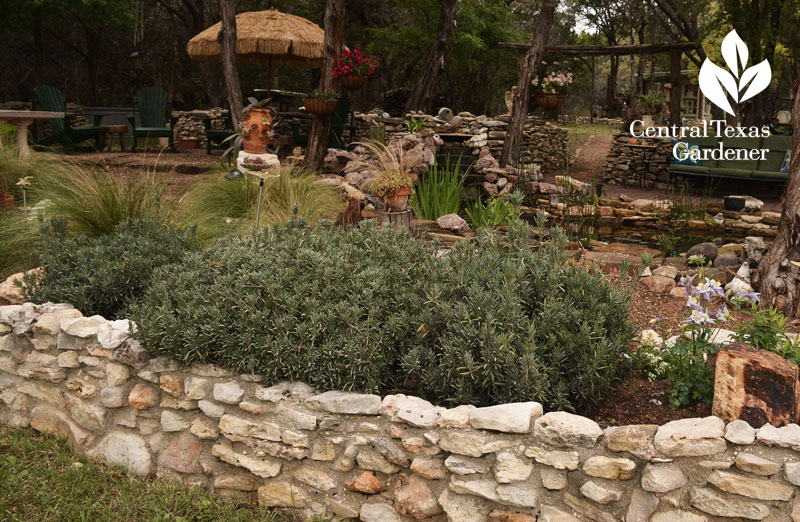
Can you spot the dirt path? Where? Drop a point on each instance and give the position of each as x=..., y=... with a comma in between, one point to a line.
x=591, y=156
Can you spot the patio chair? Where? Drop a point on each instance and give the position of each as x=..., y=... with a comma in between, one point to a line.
x=343, y=120
x=49, y=98
x=153, y=107
x=215, y=137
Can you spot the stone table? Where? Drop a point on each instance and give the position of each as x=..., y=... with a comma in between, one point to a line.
x=23, y=119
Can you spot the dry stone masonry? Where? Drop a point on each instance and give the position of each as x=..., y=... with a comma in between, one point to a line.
x=351, y=456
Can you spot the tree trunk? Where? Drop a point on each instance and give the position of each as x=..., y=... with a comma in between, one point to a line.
x=675, y=89
x=611, y=86
x=527, y=66
x=227, y=45
x=332, y=48
x=437, y=57
x=778, y=276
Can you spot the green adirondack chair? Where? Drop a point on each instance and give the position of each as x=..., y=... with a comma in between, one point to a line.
x=343, y=120
x=153, y=106
x=216, y=137
x=49, y=98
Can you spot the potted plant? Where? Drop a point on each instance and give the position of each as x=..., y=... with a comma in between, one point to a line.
x=394, y=188
x=551, y=91
x=353, y=68
x=320, y=103
x=651, y=104
x=255, y=128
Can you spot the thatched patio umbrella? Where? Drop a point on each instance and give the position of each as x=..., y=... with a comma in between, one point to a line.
x=270, y=38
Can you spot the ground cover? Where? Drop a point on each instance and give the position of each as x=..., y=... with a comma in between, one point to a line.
x=42, y=479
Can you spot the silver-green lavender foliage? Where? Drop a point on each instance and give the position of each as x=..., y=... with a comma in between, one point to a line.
x=376, y=311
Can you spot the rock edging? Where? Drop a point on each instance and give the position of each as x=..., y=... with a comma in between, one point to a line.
x=359, y=456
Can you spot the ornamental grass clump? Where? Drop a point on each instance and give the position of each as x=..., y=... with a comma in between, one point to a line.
x=376, y=311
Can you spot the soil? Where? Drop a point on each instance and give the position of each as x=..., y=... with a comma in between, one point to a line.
x=639, y=400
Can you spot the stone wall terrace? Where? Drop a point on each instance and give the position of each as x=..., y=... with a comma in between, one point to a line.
x=353, y=456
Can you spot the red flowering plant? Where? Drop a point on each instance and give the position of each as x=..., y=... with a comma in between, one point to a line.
x=355, y=63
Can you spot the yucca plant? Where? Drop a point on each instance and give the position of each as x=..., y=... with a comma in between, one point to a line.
x=440, y=191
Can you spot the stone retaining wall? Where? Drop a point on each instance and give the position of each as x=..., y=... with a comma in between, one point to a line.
x=355, y=456
x=626, y=166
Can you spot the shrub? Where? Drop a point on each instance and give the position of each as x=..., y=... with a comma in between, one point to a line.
x=373, y=310
x=520, y=324
x=103, y=275
x=439, y=192
x=496, y=211
x=329, y=307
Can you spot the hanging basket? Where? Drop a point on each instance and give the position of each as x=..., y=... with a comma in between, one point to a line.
x=353, y=81
x=319, y=106
x=550, y=101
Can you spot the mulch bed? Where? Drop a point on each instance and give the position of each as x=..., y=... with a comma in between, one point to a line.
x=639, y=400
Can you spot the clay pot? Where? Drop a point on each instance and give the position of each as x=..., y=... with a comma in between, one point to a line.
x=353, y=81
x=319, y=106
x=397, y=200
x=257, y=125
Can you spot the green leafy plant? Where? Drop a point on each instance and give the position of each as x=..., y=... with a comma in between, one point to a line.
x=417, y=123
x=19, y=242
x=765, y=329
x=389, y=182
x=488, y=323
x=688, y=369
x=652, y=102
x=317, y=94
x=696, y=260
x=496, y=211
x=103, y=275
x=440, y=191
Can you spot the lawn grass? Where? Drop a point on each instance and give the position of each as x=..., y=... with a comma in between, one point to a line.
x=42, y=479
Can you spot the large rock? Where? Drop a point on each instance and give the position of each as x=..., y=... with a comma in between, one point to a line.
x=182, y=453
x=509, y=418
x=740, y=432
x=659, y=284
x=124, y=449
x=785, y=437
x=345, y=403
x=566, y=430
x=413, y=497
x=463, y=508
x=661, y=478
x=260, y=467
x=47, y=419
x=462, y=443
x=509, y=467
x=756, y=386
x=707, y=250
x=642, y=505
x=636, y=439
x=557, y=459
x=690, y=437
x=758, y=489
x=713, y=503
x=453, y=223
x=412, y=410
x=756, y=465
x=609, y=468
x=280, y=494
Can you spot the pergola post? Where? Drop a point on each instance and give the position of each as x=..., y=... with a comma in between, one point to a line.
x=675, y=87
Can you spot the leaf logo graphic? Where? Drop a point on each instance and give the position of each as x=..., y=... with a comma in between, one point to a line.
x=717, y=83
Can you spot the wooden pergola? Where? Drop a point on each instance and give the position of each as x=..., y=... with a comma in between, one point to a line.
x=675, y=50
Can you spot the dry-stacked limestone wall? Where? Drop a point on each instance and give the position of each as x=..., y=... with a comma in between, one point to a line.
x=630, y=166
x=357, y=456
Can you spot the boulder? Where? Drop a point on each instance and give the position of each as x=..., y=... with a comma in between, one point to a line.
x=727, y=260
x=454, y=223
x=659, y=284
x=707, y=250
x=756, y=386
